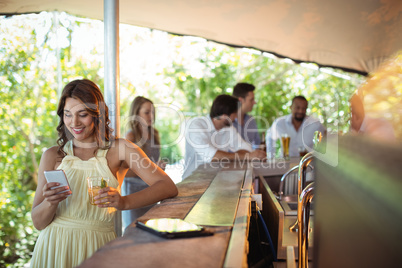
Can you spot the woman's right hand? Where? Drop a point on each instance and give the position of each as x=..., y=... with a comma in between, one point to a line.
x=46, y=200
x=55, y=196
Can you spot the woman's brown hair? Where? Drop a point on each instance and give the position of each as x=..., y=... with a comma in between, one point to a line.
x=135, y=124
x=90, y=95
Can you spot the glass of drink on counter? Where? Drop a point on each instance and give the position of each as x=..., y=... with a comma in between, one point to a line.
x=94, y=185
x=302, y=151
x=285, y=141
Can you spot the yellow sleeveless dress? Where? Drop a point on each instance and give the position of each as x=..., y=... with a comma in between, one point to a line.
x=78, y=228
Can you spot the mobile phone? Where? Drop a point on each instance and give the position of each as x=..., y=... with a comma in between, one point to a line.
x=173, y=228
x=57, y=176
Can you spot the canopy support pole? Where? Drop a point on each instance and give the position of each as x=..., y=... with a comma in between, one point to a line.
x=112, y=74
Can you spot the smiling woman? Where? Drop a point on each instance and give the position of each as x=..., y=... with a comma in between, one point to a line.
x=78, y=121
x=83, y=112
x=86, y=149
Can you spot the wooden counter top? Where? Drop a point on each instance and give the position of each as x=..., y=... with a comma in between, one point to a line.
x=226, y=248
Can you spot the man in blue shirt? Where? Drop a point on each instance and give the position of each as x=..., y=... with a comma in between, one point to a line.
x=245, y=124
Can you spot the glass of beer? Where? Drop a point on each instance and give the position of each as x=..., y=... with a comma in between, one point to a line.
x=285, y=141
x=94, y=185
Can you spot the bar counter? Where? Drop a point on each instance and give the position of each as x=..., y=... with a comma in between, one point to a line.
x=227, y=247
x=363, y=187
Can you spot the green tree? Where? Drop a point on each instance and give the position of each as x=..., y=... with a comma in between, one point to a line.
x=26, y=103
x=215, y=75
x=276, y=81
x=29, y=96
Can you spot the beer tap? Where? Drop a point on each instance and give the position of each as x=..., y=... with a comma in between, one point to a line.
x=285, y=176
x=303, y=217
x=301, y=181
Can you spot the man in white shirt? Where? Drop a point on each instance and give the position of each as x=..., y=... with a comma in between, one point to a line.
x=361, y=124
x=298, y=126
x=213, y=138
x=245, y=123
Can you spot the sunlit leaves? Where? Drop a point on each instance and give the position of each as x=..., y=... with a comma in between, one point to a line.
x=277, y=82
x=28, y=100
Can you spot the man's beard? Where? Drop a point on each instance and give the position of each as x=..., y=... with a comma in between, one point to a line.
x=299, y=118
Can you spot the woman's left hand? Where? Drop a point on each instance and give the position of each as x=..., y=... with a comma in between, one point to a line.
x=109, y=197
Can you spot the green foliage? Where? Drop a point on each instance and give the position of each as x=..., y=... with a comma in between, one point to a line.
x=169, y=123
x=17, y=236
x=217, y=76
x=276, y=81
x=28, y=95
x=25, y=107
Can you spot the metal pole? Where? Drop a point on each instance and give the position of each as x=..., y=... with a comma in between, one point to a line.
x=112, y=61
x=303, y=217
x=112, y=74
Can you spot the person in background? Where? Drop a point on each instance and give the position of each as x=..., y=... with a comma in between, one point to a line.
x=143, y=134
x=213, y=138
x=71, y=228
x=361, y=124
x=244, y=123
x=297, y=125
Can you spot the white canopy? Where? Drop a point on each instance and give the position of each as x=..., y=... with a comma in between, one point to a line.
x=356, y=35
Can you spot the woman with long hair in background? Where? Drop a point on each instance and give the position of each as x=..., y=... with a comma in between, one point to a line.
x=144, y=135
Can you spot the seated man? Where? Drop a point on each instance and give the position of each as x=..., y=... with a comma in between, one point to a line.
x=377, y=128
x=299, y=127
x=244, y=123
x=213, y=138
